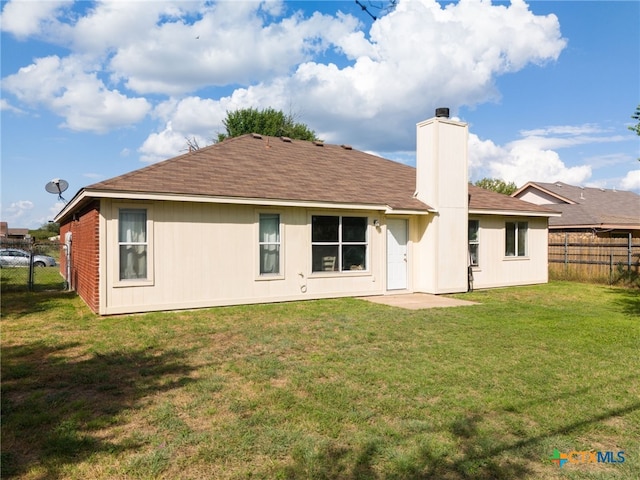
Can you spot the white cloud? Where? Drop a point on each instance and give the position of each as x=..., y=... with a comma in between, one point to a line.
x=520, y=163
x=157, y=145
x=53, y=211
x=534, y=157
x=17, y=211
x=418, y=57
x=26, y=18
x=4, y=105
x=551, y=139
x=573, y=130
x=81, y=98
x=631, y=181
x=232, y=43
x=345, y=84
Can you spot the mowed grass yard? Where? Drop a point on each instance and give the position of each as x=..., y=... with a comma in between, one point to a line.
x=332, y=389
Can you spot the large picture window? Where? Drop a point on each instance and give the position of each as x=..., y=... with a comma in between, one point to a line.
x=516, y=239
x=338, y=243
x=133, y=244
x=474, y=242
x=269, y=244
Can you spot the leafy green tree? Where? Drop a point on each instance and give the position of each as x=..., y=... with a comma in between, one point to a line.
x=497, y=185
x=636, y=128
x=636, y=116
x=46, y=230
x=265, y=122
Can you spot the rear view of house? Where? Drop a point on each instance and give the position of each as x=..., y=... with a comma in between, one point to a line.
x=257, y=219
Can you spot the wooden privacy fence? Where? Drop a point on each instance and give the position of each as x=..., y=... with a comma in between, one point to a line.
x=593, y=256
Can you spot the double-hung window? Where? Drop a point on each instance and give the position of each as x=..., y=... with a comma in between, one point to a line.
x=338, y=243
x=516, y=239
x=474, y=242
x=269, y=243
x=133, y=244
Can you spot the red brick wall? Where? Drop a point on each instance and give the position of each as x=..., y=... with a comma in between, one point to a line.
x=85, y=261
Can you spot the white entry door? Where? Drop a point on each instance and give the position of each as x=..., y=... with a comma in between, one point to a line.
x=396, y=254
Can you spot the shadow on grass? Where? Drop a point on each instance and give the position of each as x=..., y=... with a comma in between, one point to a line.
x=480, y=456
x=55, y=401
x=628, y=299
x=17, y=304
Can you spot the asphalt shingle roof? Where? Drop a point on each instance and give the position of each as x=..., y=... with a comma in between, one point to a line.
x=252, y=166
x=593, y=206
x=270, y=168
x=482, y=199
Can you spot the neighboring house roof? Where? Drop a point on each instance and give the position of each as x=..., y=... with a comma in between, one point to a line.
x=588, y=207
x=487, y=201
x=280, y=169
x=6, y=232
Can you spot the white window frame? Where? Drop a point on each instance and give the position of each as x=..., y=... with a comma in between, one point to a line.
x=149, y=243
x=474, y=242
x=340, y=244
x=280, y=274
x=518, y=226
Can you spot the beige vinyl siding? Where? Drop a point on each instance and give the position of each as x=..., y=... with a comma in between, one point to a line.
x=538, y=197
x=208, y=255
x=498, y=270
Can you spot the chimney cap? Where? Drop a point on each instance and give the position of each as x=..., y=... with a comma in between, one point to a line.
x=442, y=112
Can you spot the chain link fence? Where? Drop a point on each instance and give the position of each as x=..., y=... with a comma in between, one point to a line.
x=25, y=265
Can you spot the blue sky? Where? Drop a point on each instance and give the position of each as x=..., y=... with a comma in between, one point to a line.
x=91, y=90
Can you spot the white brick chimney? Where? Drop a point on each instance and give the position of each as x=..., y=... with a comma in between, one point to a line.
x=442, y=183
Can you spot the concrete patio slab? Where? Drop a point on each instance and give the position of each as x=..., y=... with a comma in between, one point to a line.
x=418, y=301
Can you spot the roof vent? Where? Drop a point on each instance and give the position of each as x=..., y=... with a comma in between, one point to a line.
x=442, y=112
x=285, y=139
x=318, y=143
x=347, y=147
x=256, y=135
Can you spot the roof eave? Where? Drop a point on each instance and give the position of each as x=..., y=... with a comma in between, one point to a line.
x=600, y=226
x=87, y=193
x=72, y=205
x=403, y=211
x=513, y=213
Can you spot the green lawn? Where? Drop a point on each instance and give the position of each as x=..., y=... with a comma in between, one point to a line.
x=333, y=389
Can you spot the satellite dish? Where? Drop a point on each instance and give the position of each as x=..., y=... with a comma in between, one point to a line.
x=57, y=185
